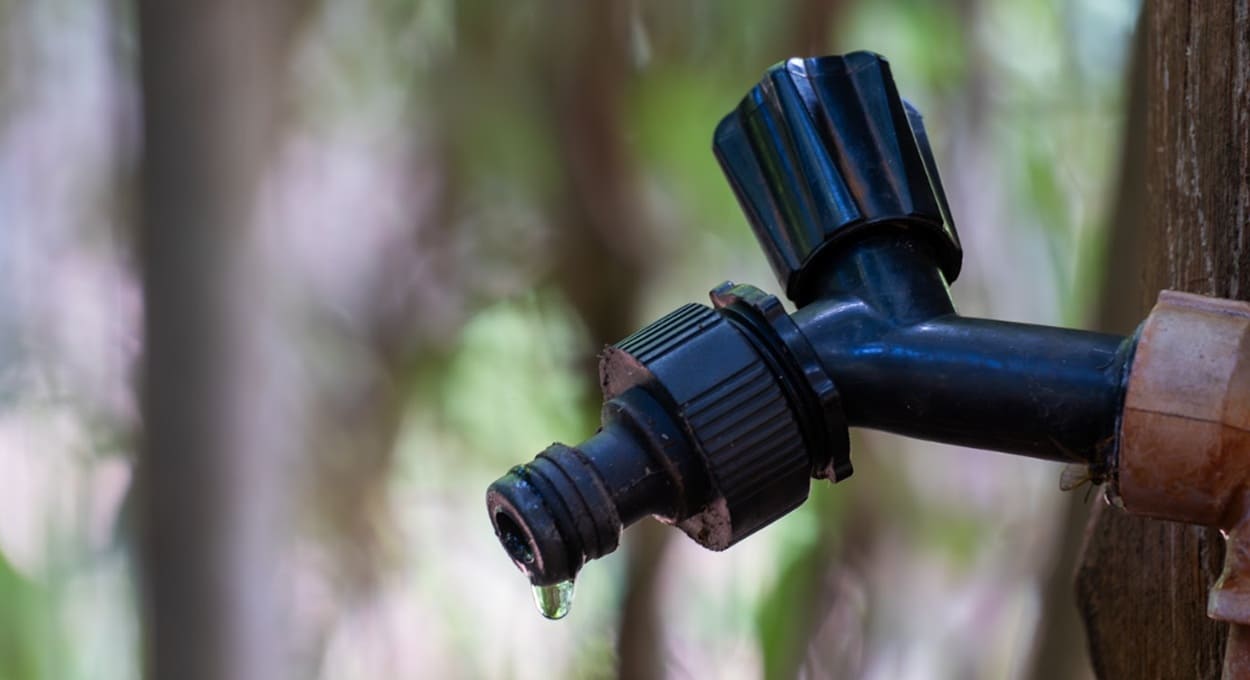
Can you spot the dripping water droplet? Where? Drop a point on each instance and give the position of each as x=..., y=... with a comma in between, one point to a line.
x=554, y=601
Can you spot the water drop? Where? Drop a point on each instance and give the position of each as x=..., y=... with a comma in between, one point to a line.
x=554, y=601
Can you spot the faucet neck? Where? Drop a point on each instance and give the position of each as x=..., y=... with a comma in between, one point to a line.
x=890, y=270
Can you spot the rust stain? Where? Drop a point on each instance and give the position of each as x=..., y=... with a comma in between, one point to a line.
x=1185, y=431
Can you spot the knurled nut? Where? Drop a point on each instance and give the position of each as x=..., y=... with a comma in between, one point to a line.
x=834, y=463
x=729, y=402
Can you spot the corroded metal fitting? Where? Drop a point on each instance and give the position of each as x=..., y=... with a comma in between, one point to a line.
x=1184, y=451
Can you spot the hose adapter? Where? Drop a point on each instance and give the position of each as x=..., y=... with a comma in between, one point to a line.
x=713, y=421
x=732, y=408
x=754, y=411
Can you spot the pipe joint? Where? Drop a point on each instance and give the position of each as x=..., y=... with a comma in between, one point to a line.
x=1185, y=431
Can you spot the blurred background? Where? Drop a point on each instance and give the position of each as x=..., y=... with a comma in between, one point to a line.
x=417, y=223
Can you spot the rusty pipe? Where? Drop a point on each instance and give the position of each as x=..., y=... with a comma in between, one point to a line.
x=1184, y=439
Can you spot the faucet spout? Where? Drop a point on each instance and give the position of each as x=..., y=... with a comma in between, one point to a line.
x=569, y=505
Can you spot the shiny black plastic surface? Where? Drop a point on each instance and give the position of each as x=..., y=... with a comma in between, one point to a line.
x=823, y=148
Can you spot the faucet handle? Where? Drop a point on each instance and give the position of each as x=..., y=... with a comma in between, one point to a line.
x=824, y=148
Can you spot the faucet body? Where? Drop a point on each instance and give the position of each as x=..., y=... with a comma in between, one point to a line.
x=716, y=418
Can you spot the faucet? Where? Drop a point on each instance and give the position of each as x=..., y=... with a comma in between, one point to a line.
x=716, y=418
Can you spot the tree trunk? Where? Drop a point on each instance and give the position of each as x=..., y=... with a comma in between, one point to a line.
x=212, y=492
x=1142, y=584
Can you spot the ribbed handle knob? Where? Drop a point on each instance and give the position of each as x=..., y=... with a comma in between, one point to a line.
x=822, y=148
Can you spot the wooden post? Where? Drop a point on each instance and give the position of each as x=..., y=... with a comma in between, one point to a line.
x=1142, y=584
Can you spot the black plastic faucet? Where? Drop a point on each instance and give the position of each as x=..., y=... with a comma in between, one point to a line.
x=716, y=418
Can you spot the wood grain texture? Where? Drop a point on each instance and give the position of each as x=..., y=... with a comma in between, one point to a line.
x=1142, y=584
x=1142, y=588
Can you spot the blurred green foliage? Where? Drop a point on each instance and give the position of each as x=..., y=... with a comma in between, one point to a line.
x=28, y=637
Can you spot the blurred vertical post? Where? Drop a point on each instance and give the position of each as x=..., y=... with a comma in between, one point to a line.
x=212, y=501
x=606, y=252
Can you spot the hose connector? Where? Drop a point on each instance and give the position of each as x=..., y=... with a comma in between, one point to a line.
x=711, y=422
